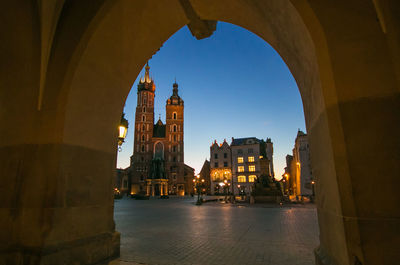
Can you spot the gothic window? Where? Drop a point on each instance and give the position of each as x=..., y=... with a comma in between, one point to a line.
x=159, y=150
x=144, y=128
x=174, y=148
x=144, y=109
x=174, y=128
x=143, y=138
x=144, y=101
x=143, y=118
x=174, y=116
x=143, y=148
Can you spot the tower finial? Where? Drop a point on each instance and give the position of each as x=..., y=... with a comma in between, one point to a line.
x=147, y=73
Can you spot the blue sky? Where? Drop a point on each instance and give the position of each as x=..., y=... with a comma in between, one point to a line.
x=234, y=84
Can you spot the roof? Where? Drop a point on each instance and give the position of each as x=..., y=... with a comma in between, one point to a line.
x=244, y=141
x=159, y=130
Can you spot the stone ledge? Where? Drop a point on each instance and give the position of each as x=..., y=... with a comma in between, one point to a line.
x=86, y=251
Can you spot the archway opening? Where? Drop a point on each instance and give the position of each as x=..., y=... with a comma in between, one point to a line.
x=230, y=89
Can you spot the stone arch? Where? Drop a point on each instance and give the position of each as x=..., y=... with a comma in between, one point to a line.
x=343, y=59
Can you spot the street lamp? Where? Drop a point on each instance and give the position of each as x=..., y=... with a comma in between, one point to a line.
x=198, y=184
x=122, y=130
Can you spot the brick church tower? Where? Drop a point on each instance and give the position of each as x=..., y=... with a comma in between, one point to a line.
x=158, y=141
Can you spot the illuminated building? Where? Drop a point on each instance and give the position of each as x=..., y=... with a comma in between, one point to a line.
x=220, y=168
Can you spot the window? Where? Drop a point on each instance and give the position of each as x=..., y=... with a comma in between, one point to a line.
x=250, y=158
x=225, y=155
x=216, y=156
x=144, y=101
x=143, y=138
x=241, y=178
x=174, y=128
x=143, y=128
x=144, y=109
x=216, y=164
x=174, y=159
x=225, y=164
x=174, y=115
x=240, y=159
x=142, y=148
x=250, y=150
x=174, y=148
x=240, y=168
x=143, y=119
x=252, y=178
x=240, y=151
x=252, y=168
x=141, y=178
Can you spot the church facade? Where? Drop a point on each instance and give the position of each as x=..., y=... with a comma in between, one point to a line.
x=157, y=164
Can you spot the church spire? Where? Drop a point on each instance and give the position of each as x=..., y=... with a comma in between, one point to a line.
x=147, y=73
x=175, y=89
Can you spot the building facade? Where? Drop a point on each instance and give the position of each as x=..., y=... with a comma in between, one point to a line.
x=245, y=164
x=220, y=168
x=157, y=164
x=298, y=176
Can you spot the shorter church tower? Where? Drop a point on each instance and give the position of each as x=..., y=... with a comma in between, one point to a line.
x=174, y=136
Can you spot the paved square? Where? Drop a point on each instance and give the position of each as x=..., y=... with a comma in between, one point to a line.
x=175, y=231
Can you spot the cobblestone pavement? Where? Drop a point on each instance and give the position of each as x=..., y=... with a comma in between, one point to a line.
x=175, y=231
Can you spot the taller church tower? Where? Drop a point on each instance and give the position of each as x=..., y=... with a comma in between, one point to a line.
x=144, y=120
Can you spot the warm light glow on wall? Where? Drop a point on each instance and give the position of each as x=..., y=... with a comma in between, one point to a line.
x=240, y=160
x=252, y=168
x=241, y=178
x=240, y=168
x=251, y=158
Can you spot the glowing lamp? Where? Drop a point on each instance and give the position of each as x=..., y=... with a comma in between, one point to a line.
x=122, y=130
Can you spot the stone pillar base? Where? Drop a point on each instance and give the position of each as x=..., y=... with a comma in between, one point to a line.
x=86, y=251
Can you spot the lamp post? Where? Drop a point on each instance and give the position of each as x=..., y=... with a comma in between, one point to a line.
x=122, y=130
x=198, y=184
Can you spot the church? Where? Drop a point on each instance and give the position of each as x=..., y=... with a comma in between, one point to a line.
x=157, y=164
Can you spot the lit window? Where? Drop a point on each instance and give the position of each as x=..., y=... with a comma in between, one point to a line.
x=240, y=159
x=251, y=158
x=240, y=168
x=252, y=178
x=252, y=168
x=261, y=157
x=241, y=178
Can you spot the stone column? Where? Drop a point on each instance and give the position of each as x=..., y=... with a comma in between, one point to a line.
x=148, y=189
x=161, y=189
